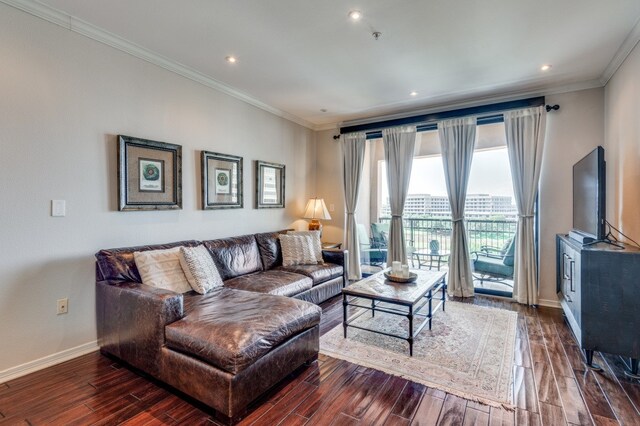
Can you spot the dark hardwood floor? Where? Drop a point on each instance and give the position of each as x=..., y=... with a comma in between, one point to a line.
x=551, y=387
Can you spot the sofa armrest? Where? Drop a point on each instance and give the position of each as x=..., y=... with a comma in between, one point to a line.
x=338, y=257
x=131, y=318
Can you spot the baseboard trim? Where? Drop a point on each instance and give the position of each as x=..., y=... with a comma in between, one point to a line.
x=47, y=361
x=549, y=303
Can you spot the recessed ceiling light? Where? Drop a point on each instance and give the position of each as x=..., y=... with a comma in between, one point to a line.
x=414, y=93
x=231, y=59
x=545, y=67
x=355, y=15
x=323, y=110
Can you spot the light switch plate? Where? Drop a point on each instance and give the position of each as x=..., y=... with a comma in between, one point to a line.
x=58, y=208
x=331, y=207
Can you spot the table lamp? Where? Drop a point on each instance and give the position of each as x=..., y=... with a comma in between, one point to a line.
x=316, y=209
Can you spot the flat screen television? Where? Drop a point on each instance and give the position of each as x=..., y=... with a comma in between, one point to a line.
x=589, y=195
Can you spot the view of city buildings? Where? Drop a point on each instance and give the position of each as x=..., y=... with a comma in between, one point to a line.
x=477, y=206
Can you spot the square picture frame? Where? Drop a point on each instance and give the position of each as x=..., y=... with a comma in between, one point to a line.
x=270, y=185
x=222, y=186
x=149, y=175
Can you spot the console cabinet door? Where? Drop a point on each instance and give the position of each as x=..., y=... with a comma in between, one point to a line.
x=570, y=285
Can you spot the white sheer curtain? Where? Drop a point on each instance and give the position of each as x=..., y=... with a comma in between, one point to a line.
x=353, y=149
x=399, y=144
x=525, y=133
x=457, y=142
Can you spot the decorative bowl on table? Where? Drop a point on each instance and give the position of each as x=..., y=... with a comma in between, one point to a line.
x=400, y=278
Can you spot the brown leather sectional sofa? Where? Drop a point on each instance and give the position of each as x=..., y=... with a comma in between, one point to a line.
x=227, y=347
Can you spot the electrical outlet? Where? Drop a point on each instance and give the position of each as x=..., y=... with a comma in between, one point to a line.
x=63, y=306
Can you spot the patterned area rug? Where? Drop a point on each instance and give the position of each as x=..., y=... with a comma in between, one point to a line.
x=469, y=351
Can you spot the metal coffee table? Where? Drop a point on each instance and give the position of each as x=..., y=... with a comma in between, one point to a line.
x=412, y=299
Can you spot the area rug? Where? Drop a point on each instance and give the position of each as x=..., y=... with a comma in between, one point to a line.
x=468, y=352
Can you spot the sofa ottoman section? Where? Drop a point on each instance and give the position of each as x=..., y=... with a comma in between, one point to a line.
x=231, y=329
x=280, y=283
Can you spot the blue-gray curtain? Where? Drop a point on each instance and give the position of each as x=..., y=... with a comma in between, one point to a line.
x=353, y=149
x=525, y=133
x=399, y=144
x=457, y=142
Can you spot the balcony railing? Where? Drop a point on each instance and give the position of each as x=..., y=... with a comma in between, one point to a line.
x=420, y=232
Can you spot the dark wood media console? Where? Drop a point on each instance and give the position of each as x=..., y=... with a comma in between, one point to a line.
x=599, y=290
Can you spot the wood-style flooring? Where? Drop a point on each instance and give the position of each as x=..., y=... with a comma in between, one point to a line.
x=551, y=387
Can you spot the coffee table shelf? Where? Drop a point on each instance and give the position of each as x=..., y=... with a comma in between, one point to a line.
x=411, y=299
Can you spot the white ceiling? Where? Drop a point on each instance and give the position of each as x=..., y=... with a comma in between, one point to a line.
x=300, y=56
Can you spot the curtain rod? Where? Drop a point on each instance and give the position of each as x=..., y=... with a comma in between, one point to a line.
x=488, y=114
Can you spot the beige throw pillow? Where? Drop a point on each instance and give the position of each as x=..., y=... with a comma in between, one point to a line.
x=161, y=268
x=200, y=269
x=315, y=241
x=297, y=250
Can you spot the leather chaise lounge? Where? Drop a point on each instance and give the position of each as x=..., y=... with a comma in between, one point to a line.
x=226, y=347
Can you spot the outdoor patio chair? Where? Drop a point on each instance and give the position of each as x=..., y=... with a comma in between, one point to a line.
x=379, y=233
x=369, y=255
x=494, y=264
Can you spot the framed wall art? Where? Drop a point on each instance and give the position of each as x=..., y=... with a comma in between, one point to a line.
x=221, y=181
x=269, y=185
x=149, y=175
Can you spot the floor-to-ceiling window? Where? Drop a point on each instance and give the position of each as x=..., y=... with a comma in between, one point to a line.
x=490, y=212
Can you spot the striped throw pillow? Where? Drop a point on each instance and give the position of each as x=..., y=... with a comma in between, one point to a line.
x=199, y=268
x=297, y=250
x=315, y=241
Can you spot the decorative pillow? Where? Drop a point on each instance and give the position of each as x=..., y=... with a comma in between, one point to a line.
x=297, y=250
x=199, y=268
x=161, y=268
x=315, y=241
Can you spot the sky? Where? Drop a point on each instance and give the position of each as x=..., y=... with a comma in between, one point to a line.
x=490, y=174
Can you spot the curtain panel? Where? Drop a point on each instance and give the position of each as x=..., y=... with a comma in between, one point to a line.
x=457, y=142
x=525, y=134
x=399, y=144
x=353, y=149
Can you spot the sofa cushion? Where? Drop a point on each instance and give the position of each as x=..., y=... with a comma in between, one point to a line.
x=281, y=283
x=270, y=250
x=118, y=264
x=231, y=328
x=318, y=273
x=235, y=256
x=161, y=269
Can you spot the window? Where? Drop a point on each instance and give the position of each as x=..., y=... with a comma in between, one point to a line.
x=490, y=211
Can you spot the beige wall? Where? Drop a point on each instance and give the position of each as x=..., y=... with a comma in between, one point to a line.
x=572, y=132
x=622, y=146
x=63, y=98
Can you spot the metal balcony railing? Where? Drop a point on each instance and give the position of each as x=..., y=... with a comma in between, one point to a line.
x=419, y=232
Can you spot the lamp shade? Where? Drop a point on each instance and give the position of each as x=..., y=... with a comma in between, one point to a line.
x=316, y=209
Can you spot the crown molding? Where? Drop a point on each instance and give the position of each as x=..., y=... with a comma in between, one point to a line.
x=483, y=100
x=621, y=54
x=93, y=32
x=328, y=126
